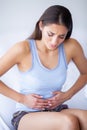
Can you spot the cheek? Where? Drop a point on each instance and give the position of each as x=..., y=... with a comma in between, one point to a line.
x=61, y=41
x=46, y=37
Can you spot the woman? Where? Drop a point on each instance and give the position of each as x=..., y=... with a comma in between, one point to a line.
x=42, y=60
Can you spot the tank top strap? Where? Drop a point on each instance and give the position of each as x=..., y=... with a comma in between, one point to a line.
x=62, y=56
x=33, y=50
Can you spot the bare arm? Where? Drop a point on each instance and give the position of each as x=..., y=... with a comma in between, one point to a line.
x=11, y=58
x=80, y=61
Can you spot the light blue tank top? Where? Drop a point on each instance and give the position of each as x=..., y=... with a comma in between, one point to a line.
x=41, y=80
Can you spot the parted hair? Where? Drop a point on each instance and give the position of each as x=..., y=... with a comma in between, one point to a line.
x=55, y=14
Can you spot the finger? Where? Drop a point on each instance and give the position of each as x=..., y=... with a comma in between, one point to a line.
x=42, y=101
x=56, y=92
x=51, y=101
x=52, y=107
x=37, y=96
x=40, y=106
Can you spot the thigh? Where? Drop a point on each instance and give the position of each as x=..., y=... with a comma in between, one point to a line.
x=80, y=114
x=43, y=121
x=37, y=120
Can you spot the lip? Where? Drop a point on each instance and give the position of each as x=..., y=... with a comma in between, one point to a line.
x=52, y=46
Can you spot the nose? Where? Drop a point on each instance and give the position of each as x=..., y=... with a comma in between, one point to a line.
x=55, y=41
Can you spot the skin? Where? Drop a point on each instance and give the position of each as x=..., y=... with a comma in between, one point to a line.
x=48, y=121
x=52, y=36
x=81, y=115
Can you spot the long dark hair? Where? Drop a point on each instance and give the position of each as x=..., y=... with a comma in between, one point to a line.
x=56, y=14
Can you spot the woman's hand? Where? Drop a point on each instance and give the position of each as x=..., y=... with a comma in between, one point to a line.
x=57, y=99
x=34, y=101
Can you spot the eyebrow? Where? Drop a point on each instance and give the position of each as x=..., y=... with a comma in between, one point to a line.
x=54, y=33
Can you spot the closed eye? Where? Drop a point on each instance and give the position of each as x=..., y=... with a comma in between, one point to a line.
x=62, y=37
x=50, y=34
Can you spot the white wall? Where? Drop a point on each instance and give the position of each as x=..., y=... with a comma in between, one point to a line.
x=20, y=16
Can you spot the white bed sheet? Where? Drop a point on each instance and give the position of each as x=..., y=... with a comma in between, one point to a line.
x=3, y=125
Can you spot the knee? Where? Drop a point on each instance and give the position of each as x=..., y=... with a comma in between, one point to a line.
x=72, y=122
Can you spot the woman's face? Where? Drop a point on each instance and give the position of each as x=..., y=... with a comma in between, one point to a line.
x=53, y=35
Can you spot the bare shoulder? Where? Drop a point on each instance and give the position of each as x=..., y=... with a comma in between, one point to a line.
x=16, y=52
x=73, y=43
x=75, y=52
x=14, y=56
x=73, y=46
x=21, y=47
